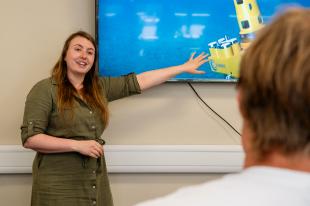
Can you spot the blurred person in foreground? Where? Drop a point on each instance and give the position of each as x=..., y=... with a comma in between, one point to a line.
x=274, y=101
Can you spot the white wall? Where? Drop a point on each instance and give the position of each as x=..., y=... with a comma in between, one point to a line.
x=31, y=38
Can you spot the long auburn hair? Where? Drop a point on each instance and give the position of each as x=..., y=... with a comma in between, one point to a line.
x=91, y=92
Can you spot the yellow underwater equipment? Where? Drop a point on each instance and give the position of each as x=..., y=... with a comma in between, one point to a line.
x=225, y=54
x=225, y=57
x=249, y=20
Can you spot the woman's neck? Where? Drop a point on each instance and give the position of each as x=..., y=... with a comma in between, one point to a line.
x=76, y=80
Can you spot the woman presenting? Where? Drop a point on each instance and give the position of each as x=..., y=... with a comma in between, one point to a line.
x=65, y=116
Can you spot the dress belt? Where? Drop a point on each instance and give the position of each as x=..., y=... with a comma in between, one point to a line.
x=99, y=140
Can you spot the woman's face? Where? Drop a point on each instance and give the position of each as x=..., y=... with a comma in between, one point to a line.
x=80, y=56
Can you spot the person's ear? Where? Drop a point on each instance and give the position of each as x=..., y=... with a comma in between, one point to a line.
x=244, y=136
x=239, y=101
x=247, y=134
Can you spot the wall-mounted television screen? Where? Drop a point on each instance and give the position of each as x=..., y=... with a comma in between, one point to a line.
x=140, y=35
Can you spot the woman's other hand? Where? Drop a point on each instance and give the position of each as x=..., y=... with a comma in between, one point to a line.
x=89, y=148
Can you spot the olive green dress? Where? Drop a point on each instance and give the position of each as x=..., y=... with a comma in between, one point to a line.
x=65, y=179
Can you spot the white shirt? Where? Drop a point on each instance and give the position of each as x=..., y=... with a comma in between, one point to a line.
x=255, y=186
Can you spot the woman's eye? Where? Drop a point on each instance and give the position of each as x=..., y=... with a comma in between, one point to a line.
x=77, y=49
x=91, y=53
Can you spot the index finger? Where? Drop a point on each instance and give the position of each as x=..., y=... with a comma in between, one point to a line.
x=192, y=56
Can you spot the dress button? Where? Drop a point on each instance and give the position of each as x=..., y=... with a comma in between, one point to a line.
x=94, y=202
x=94, y=186
x=90, y=112
x=94, y=172
x=93, y=127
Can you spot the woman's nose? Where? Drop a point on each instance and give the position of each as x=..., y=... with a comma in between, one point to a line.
x=83, y=54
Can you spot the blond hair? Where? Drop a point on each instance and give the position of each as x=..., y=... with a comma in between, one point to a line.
x=275, y=85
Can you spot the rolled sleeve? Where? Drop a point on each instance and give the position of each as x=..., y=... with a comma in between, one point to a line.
x=119, y=87
x=38, y=107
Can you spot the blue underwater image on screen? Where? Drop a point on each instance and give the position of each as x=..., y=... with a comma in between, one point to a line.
x=140, y=35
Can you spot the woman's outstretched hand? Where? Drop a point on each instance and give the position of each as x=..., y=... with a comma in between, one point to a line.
x=155, y=77
x=192, y=65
